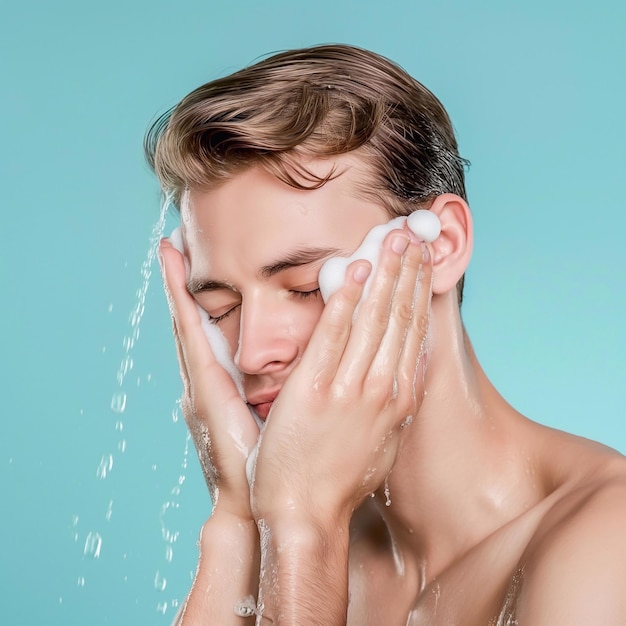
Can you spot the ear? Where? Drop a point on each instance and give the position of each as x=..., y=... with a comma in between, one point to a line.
x=452, y=250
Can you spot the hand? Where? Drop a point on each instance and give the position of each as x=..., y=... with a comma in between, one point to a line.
x=334, y=431
x=220, y=422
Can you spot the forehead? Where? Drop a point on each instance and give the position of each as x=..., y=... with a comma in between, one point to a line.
x=256, y=213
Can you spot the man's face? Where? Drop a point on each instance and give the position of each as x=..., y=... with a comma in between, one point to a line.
x=255, y=248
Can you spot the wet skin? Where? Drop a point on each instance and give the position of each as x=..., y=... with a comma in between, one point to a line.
x=493, y=518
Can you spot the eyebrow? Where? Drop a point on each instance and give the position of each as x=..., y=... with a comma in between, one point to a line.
x=295, y=258
x=199, y=286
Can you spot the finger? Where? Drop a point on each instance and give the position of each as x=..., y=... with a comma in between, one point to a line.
x=385, y=363
x=184, y=374
x=413, y=350
x=325, y=349
x=195, y=351
x=372, y=320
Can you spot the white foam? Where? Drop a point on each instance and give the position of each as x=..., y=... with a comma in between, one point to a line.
x=423, y=223
x=215, y=337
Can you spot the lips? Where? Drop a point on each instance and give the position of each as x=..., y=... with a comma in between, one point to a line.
x=262, y=403
x=263, y=409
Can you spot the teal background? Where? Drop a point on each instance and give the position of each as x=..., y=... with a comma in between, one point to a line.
x=537, y=93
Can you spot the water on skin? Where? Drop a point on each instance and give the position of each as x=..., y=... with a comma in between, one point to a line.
x=387, y=492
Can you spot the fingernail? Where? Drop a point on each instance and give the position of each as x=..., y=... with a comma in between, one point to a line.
x=425, y=253
x=361, y=273
x=399, y=243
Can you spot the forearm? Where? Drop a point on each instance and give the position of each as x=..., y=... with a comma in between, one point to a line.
x=304, y=573
x=227, y=573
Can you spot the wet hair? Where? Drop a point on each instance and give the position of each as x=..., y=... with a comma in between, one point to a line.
x=313, y=103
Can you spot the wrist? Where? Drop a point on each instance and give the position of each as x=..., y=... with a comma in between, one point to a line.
x=223, y=525
x=286, y=511
x=301, y=562
x=231, y=506
x=302, y=533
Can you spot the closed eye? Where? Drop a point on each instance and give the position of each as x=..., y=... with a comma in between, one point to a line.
x=218, y=318
x=305, y=294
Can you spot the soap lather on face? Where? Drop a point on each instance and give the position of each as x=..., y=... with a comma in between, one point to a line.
x=424, y=224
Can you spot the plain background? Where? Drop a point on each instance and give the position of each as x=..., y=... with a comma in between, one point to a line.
x=536, y=91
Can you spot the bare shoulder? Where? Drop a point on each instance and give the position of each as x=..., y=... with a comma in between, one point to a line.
x=574, y=570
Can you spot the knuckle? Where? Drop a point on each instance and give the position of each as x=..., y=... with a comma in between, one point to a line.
x=380, y=391
x=421, y=323
x=336, y=331
x=340, y=392
x=403, y=310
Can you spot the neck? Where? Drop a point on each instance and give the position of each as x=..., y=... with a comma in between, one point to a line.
x=451, y=484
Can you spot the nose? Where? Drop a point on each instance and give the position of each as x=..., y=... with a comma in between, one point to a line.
x=266, y=344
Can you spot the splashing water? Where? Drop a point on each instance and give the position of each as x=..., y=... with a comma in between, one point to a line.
x=106, y=465
x=168, y=535
x=119, y=400
x=93, y=544
x=120, y=397
x=160, y=582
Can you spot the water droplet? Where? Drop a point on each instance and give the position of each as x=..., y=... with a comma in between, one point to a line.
x=119, y=425
x=181, y=479
x=106, y=465
x=175, y=416
x=169, y=536
x=93, y=544
x=169, y=553
x=81, y=581
x=118, y=402
x=387, y=493
x=110, y=309
x=121, y=446
x=406, y=422
x=154, y=467
x=126, y=365
x=137, y=314
x=160, y=582
x=109, y=512
x=162, y=608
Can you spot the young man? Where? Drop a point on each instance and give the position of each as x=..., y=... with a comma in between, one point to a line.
x=478, y=516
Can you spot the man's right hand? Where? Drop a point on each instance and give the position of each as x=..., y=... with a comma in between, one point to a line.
x=219, y=420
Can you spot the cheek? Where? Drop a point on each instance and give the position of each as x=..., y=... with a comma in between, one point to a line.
x=303, y=321
x=230, y=329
